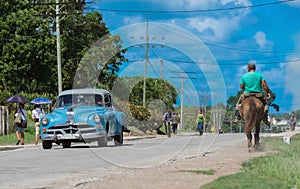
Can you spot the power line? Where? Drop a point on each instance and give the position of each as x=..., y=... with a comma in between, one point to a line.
x=225, y=64
x=226, y=47
x=245, y=50
x=197, y=10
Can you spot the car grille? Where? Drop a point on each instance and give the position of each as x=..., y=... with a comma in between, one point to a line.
x=71, y=129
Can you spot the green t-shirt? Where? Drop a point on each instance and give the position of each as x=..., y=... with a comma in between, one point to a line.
x=252, y=82
x=200, y=118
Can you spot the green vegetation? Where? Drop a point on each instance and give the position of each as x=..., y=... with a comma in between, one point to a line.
x=279, y=170
x=11, y=138
x=28, y=60
x=203, y=172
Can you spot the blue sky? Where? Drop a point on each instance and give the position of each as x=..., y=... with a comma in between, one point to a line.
x=267, y=33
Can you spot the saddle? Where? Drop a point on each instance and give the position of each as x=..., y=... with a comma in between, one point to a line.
x=256, y=95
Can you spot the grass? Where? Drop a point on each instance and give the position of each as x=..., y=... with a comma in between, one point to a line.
x=203, y=172
x=135, y=130
x=12, y=138
x=278, y=170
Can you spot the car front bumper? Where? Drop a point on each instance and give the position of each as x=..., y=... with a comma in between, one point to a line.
x=72, y=133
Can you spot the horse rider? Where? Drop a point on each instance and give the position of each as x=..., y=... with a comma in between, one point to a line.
x=252, y=83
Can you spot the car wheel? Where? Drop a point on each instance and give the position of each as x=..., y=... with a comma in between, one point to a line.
x=102, y=141
x=66, y=144
x=47, y=144
x=118, y=139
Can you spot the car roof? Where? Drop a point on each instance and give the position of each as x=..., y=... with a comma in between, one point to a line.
x=84, y=91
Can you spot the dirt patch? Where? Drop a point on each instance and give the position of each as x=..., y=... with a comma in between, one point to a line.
x=224, y=161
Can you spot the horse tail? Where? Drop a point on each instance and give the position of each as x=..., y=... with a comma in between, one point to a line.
x=251, y=117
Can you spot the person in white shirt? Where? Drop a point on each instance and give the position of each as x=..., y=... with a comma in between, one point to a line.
x=36, y=114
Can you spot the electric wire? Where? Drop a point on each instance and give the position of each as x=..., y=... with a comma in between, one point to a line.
x=195, y=11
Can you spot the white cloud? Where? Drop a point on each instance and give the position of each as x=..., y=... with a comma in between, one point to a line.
x=261, y=39
x=294, y=4
x=292, y=75
x=133, y=20
x=215, y=29
x=201, y=4
x=188, y=4
x=291, y=83
x=218, y=26
x=275, y=77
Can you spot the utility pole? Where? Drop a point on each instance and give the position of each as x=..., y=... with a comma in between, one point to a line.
x=58, y=51
x=161, y=70
x=57, y=20
x=145, y=65
x=182, y=95
x=181, y=100
x=146, y=60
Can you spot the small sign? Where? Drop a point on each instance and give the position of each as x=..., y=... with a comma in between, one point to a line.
x=287, y=139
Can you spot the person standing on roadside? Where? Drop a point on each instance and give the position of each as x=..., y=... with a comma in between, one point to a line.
x=200, y=122
x=19, y=129
x=175, y=120
x=167, y=122
x=293, y=122
x=36, y=114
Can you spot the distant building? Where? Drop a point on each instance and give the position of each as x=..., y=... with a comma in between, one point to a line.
x=283, y=123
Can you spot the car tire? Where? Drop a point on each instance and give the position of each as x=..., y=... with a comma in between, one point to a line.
x=118, y=139
x=102, y=141
x=47, y=144
x=66, y=144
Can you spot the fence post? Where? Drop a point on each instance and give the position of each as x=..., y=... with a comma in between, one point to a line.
x=4, y=123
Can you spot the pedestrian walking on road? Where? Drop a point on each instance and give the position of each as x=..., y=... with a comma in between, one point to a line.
x=167, y=122
x=36, y=114
x=20, y=127
x=293, y=122
x=175, y=120
x=200, y=122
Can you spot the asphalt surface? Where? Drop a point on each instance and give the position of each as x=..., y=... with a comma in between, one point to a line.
x=282, y=134
x=13, y=147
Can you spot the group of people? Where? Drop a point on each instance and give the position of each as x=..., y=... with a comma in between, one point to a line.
x=171, y=118
x=251, y=83
x=19, y=129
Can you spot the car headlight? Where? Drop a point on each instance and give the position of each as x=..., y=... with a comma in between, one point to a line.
x=97, y=118
x=45, y=121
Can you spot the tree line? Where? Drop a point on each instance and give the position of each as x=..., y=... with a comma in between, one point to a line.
x=28, y=61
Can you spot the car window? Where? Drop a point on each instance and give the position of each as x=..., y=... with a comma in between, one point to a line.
x=107, y=99
x=98, y=100
x=65, y=100
x=80, y=100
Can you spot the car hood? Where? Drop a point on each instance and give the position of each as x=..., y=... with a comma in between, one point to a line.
x=81, y=114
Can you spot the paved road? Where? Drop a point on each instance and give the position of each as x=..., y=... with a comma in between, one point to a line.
x=33, y=167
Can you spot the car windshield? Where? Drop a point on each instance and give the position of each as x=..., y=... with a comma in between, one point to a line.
x=80, y=100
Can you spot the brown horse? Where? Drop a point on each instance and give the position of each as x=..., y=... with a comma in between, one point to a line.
x=252, y=112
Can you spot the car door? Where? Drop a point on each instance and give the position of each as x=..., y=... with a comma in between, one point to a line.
x=110, y=114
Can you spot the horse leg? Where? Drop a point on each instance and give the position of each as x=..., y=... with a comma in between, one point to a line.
x=256, y=135
x=249, y=137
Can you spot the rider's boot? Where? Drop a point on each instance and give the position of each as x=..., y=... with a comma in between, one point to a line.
x=237, y=116
x=265, y=118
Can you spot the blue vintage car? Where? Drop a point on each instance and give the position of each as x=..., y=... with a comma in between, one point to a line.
x=83, y=115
